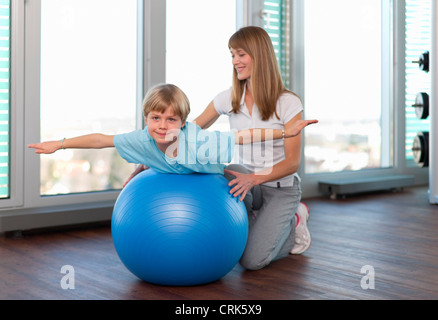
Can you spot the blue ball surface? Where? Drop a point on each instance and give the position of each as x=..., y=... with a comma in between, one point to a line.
x=179, y=230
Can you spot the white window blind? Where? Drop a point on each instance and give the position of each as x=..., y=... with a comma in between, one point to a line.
x=277, y=20
x=4, y=96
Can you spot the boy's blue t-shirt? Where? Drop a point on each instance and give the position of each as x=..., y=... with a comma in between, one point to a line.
x=198, y=150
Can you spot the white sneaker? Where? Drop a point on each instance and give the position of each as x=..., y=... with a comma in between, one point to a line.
x=302, y=234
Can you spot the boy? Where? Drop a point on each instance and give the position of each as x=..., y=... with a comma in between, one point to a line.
x=169, y=144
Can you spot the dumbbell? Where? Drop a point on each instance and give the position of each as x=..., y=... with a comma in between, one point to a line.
x=420, y=149
x=421, y=105
x=423, y=61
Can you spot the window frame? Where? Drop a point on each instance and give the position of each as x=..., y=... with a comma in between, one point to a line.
x=16, y=138
x=32, y=128
x=25, y=195
x=393, y=118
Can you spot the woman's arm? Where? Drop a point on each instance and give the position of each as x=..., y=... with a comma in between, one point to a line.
x=140, y=168
x=207, y=117
x=292, y=151
x=210, y=115
x=90, y=141
x=260, y=135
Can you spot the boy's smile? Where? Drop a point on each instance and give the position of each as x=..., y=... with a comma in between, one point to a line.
x=164, y=127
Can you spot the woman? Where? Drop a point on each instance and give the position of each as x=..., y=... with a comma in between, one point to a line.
x=267, y=174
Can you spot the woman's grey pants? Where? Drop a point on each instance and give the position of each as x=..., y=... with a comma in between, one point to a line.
x=271, y=215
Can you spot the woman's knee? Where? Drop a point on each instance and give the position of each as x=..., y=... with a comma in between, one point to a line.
x=254, y=265
x=254, y=261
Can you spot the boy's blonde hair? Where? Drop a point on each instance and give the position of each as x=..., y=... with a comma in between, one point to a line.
x=161, y=96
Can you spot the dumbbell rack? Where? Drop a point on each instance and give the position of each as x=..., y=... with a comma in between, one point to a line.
x=425, y=145
x=433, y=111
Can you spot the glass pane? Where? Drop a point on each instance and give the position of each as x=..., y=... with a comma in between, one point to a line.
x=343, y=72
x=418, y=41
x=197, y=56
x=4, y=97
x=88, y=84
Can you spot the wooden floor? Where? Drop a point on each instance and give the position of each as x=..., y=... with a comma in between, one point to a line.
x=395, y=233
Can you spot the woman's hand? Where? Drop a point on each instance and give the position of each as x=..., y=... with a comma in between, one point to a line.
x=296, y=128
x=47, y=147
x=139, y=169
x=242, y=183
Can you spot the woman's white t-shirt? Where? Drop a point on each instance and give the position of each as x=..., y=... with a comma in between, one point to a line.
x=263, y=155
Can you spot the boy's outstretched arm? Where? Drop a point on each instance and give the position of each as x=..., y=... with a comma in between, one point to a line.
x=90, y=141
x=259, y=135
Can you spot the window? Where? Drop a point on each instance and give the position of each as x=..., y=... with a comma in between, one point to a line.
x=73, y=73
x=346, y=73
x=88, y=84
x=4, y=97
x=197, y=56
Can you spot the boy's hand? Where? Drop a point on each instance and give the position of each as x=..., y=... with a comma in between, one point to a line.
x=46, y=147
x=297, y=127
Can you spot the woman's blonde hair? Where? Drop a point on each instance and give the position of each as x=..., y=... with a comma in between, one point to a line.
x=161, y=96
x=266, y=82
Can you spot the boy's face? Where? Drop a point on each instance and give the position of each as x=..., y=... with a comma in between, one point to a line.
x=164, y=127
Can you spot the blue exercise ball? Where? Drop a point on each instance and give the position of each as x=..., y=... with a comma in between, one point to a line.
x=179, y=230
